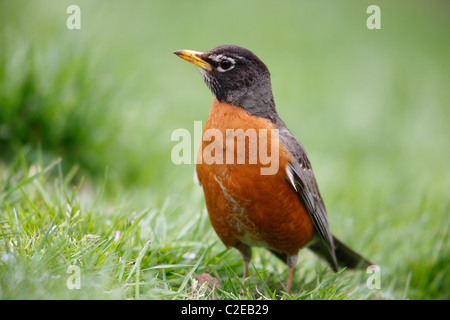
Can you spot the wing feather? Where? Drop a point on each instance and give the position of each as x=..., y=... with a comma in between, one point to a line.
x=301, y=177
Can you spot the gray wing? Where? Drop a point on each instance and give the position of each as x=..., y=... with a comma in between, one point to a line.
x=301, y=177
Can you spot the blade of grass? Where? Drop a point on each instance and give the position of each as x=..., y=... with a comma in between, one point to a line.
x=191, y=272
x=32, y=178
x=138, y=260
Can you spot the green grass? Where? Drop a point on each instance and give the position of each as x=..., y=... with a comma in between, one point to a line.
x=122, y=252
x=86, y=116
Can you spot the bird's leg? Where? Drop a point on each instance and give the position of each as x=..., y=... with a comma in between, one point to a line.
x=291, y=262
x=246, y=263
x=246, y=252
x=289, y=280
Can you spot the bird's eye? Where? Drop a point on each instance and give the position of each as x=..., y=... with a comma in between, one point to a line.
x=225, y=64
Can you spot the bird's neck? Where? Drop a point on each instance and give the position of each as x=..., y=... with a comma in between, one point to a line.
x=258, y=102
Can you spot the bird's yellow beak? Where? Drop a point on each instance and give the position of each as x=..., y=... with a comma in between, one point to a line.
x=194, y=57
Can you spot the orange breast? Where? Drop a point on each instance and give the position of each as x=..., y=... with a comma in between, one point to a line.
x=243, y=204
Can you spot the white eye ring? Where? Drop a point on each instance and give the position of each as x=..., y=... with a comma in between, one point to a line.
x=220, y=58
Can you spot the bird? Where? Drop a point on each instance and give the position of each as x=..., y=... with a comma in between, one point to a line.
x=283, y=210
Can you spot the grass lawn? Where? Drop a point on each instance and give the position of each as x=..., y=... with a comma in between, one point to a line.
x=88, y=191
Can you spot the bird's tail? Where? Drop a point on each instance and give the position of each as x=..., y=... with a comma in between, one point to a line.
x=346, y=257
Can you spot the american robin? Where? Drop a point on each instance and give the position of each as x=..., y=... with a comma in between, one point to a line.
x=281, y=210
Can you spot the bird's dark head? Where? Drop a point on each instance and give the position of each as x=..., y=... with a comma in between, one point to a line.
x=236, y=76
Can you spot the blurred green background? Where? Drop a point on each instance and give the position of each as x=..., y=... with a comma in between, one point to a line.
x=371, y=107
